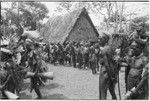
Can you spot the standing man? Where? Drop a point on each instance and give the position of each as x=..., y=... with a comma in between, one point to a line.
x=92, y=60
x=35, y=66
x=97, y=52
x=108, y=73
x=137, y=84
x=109, y=70
x=86, y=56
x=73, y=55
x=135, y=74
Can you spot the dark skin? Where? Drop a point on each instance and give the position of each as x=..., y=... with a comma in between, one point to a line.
x=136, y=66
x=8, y=84
x=140, y=85
x=73, y=56
x=144, y=80
x=92, y=60
x=86, y=57
x=35, y=80
x=127, y=69
x=106, y=80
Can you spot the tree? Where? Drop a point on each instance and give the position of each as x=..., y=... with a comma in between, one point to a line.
x=64, y=6
x=11, y=24
x=115, y=17
x=69, y=6
x=23, y=14
x=139, y=23
x=33, y=12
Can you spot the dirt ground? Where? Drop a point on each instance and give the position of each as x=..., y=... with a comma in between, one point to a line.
x=71, y=83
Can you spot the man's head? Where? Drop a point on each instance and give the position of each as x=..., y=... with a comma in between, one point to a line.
x=104, y=39
x=36, y=45
x=135, y=51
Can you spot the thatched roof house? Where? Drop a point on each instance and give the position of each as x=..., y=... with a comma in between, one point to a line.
x=74, y=26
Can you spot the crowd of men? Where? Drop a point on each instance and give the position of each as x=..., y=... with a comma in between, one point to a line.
x=27, y=55
x=82, y=55
x=86, y=55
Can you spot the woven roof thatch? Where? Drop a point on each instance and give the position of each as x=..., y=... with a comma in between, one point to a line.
x=57, y=28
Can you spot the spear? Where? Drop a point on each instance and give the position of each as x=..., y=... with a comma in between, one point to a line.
x=119, y=87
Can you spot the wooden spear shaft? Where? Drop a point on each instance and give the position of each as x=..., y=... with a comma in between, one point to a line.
x=119, y=87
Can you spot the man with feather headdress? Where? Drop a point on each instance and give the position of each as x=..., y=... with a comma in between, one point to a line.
x=11, y=74
x=35, y=63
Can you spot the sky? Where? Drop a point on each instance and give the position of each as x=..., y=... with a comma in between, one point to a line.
x=141, y=8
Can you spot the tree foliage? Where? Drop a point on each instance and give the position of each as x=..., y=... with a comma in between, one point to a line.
x=64, y=6
x=32, y=13
x=138, y=22
x=115, y=17
x=110, y=11
x=11, y=24
x=38, y=10
x=23, y=14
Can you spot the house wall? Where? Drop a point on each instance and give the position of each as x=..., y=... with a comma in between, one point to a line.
x=82, y=31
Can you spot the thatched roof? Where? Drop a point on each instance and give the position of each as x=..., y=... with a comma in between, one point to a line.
x=57, y=28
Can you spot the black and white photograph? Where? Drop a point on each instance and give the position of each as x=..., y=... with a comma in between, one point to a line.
x=74, y=50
